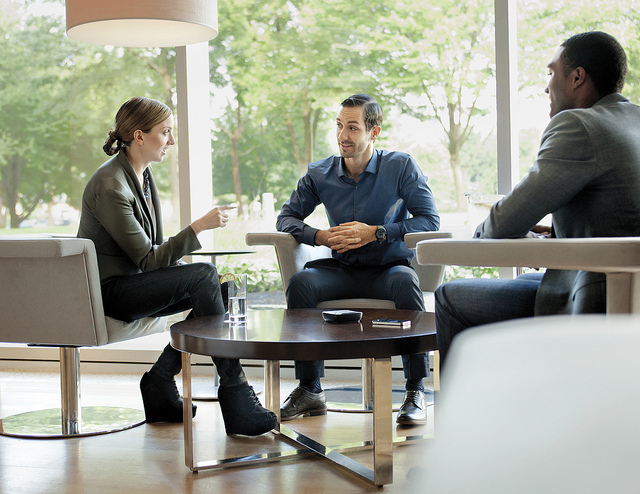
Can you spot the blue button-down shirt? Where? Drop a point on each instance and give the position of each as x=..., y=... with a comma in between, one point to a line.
x=392, y=191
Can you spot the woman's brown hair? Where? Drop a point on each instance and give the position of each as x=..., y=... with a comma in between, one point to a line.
x=138, y=113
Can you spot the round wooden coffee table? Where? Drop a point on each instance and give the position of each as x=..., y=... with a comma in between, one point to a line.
x=302, y=334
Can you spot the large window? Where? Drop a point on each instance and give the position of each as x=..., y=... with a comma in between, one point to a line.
x=278, y=71
x=282, y=68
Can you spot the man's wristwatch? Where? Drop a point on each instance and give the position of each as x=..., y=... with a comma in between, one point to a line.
x=381, y=234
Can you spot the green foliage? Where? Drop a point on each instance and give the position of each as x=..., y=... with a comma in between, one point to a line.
x=280, y=69
x=58, y=99
x=437, y=63
x=459, y=272
x=266, y=162
x=262, y=276
x=32, y=124
x=544, y=24
x=287, y=66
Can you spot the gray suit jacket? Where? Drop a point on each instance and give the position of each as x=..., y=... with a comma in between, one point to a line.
x=115, y=215
x=588, y=176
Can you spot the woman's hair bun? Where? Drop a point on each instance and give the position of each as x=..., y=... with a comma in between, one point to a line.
x=113, y=144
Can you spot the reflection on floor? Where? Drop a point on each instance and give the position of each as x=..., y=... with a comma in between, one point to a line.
x=150, y=458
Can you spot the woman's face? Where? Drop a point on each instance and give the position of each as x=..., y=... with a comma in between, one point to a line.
x=156, y=142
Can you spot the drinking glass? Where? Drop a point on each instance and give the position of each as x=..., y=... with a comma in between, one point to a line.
x=238, y=299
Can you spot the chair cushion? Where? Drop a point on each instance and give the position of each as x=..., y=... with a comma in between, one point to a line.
x=121, y=331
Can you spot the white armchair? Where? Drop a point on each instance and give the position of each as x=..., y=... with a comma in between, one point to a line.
x=617, y=257
x=50, y=295
x=292, y=257
x=569, y=425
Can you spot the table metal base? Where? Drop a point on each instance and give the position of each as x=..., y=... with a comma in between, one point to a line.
x=382, y=443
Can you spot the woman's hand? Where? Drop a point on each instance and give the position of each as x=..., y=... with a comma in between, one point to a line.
x=216, y=218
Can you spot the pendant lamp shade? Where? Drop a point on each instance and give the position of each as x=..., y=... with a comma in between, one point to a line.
x=142, y=23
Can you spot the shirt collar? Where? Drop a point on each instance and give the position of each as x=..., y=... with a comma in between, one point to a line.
x=372, y=166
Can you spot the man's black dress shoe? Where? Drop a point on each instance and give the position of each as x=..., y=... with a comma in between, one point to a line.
x=162, y=402
x=303, y=402
x=413, y=410
x=242, y=412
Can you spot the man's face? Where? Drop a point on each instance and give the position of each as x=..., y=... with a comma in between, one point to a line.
x=559, y=87
x=353, y=138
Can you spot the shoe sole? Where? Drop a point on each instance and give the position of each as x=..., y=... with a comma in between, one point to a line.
x=306, y=413
x=160, y=419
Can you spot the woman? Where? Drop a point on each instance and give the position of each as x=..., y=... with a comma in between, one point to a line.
x=141, y=274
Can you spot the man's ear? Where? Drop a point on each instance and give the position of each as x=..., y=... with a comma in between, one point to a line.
x=375, y=132
x=580, y=76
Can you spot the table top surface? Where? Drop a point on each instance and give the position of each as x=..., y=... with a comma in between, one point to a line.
x=302, y=334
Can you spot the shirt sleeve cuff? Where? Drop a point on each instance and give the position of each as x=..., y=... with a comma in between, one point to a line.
x=309, y=235
x=393, y=232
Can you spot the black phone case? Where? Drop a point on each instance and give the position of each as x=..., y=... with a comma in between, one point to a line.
x=341, y=316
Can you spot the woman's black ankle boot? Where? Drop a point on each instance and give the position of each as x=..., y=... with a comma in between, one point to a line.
x=162, y=402
x=242, y=412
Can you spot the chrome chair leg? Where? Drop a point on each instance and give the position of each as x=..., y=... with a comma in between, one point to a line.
x=70, y=390
x=70, y=420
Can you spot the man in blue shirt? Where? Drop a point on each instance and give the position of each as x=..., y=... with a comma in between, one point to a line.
x=372, y=199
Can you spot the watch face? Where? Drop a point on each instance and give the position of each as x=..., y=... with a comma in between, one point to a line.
x=381, y=233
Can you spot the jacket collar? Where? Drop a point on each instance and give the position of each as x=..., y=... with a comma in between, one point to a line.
x=125, y=164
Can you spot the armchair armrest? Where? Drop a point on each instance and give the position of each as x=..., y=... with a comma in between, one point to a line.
x=412, y=239
x=291, y=255
x=604, y=255
x=43, y=246
x=618, y=257
x=430, y=276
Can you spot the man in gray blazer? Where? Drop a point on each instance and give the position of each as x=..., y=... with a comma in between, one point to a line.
x=587, y=176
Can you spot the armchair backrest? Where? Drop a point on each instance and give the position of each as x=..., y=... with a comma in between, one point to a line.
x=50, y=292
x=50, y=295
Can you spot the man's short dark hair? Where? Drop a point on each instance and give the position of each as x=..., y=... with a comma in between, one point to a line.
x=371, y=108
x=601, y=56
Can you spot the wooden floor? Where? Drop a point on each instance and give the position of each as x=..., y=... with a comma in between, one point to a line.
x=150, y=458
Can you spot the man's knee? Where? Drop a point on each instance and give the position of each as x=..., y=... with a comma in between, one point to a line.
x=403, y=276
x=299, y=295
x=448, y=293
x=405, y=287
